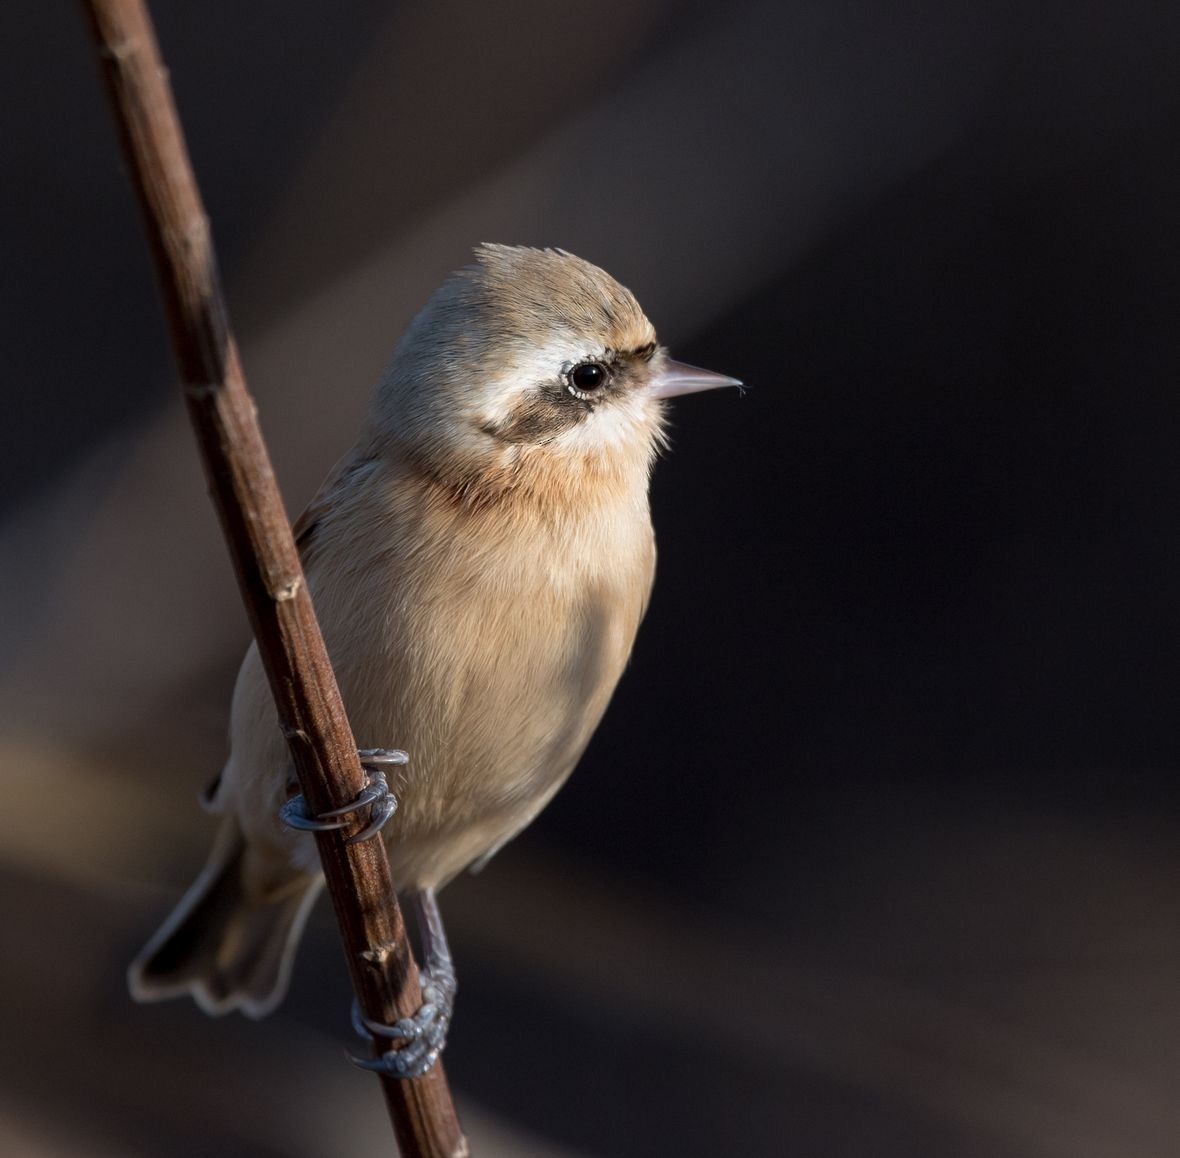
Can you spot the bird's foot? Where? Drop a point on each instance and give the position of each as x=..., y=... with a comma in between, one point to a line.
x=423, y=1036
x=375, y=796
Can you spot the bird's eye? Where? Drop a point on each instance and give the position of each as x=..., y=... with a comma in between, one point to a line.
x=587, y=377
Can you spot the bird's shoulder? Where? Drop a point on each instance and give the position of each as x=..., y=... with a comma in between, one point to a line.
x=346, y=479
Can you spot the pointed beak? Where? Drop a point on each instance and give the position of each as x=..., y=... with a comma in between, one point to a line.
x=680, y=378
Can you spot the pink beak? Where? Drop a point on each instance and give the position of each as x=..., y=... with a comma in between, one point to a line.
x=677, y=378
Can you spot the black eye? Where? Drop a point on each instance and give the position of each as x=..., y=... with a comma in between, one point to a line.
x=587, y=377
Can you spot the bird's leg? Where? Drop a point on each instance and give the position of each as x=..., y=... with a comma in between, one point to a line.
x=375, y=796
x=423, y=1035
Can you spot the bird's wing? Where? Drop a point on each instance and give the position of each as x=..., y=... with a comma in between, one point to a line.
x=344, y=475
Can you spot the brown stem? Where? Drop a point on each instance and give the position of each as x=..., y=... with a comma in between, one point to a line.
x=258, y=532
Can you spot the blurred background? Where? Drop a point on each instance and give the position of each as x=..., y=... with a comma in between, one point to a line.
x=878, y=849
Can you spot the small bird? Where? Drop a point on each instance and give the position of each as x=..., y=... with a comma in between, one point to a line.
x=480, y=562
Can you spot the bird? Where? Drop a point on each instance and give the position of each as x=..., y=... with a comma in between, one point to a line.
x=480, y=562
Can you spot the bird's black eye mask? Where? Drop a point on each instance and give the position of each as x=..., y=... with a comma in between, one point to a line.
x=612, y=373
x=572, y=396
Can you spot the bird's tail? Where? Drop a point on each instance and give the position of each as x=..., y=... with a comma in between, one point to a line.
x=231, y=940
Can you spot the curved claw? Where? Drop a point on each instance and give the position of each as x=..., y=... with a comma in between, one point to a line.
x=414, y=1061
x=379, y=816
x=405, y=1029
x=374, y=757
x=376, y=788
x=294, y=814
x=375, y=796
x=424, y=1035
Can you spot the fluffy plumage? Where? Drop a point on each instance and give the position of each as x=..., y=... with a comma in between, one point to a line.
x=480, y=563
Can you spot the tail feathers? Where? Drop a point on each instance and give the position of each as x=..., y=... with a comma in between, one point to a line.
x=228, y=943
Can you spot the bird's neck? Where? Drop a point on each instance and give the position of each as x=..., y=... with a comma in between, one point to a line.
x=537, y=481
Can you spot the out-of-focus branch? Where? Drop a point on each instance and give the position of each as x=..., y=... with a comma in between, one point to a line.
x=258, y=533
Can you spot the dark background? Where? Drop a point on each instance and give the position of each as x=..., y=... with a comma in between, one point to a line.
x=878, y=849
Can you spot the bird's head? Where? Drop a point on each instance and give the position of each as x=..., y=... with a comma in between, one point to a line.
x=528, y=368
